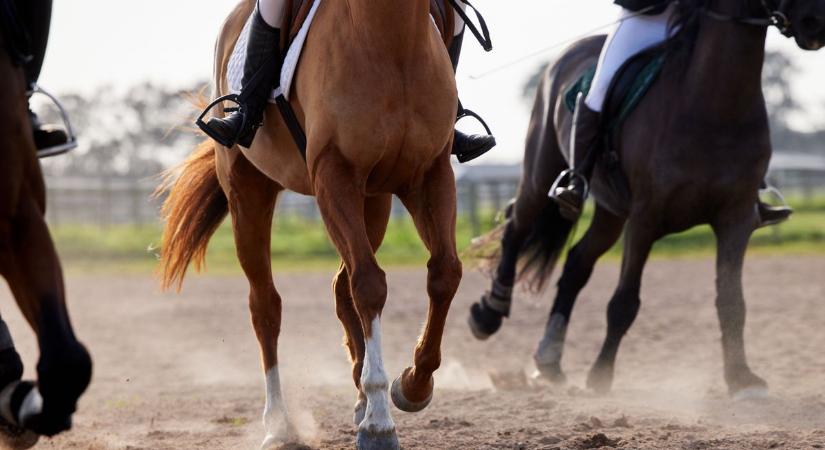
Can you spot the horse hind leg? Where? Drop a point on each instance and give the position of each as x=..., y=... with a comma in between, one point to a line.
x=378, y=214
x=252, y=199
x=342, y=206
x=603, y=232
x=433, y=208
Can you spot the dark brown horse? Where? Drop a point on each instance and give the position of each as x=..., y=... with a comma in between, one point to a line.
x=30, y=265
x=377, y=96
x=693, y=152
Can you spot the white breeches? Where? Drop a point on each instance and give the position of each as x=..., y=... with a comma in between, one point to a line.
x=273, y=12
x=630, y=37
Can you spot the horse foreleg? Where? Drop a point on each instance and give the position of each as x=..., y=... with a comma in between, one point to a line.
x=603, y=232
x=33, y=272
x=732, y=234
x=341, y=201
x=252, y=197
x=433, y=208
x=377, y=216
x=624, y=306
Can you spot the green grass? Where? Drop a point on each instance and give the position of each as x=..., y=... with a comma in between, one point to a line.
x=298, y=244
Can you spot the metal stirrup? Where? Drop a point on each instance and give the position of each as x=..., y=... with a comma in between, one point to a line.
x=71, y=144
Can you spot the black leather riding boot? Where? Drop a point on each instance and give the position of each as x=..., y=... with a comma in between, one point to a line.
x=36, y=16
x=585, y=134
x=467, y=147
x=262, y=72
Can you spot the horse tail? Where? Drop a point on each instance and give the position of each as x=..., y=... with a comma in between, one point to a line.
x=543, y=247
x=194, y=208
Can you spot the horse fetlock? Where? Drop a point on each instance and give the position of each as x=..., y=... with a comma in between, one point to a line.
x=11, y=367
x=63, y=376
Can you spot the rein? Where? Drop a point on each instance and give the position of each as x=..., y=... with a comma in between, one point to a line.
x=775, y=18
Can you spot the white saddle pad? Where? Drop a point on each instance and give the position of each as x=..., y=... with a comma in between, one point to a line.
x=293, y=55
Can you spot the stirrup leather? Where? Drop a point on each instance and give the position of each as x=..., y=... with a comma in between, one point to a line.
x=71, y=144
x=565, y=178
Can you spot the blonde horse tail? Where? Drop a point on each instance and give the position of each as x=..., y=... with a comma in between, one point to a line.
x=194, y=208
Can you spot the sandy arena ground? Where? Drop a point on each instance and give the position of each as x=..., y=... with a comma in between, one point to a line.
x=182, y=372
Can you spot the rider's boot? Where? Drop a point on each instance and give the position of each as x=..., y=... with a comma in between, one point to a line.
x=467, y=147
x=262, y=72
x=46, y=136
x=36, y=17
x=584, y=139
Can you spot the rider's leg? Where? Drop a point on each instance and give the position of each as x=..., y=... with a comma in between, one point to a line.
x=262, y=72
x=36, y=16
x=466, y=146
x=631, y=36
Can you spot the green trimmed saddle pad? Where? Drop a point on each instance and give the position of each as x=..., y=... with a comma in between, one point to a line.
x=626, y=91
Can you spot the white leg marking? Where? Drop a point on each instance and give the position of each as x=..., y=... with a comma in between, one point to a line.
x=276, y=420
x=551, y=346
x=360, y=408
x=375, y=384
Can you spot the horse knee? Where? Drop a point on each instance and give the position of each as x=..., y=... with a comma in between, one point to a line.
x=443, y=278
x=369, y=290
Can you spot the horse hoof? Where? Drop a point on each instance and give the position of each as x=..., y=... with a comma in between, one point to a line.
x=551, y=372
x=401, y=401
x=384, y=440
x=600, y=380
x=483, y=322
x=750, y=393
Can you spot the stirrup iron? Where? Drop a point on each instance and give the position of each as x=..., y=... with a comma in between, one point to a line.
x=565, y=178
x=71, y=144
x=233, y=98
x=463, y=113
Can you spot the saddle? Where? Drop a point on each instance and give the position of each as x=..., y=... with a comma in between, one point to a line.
x=627, y=89
x=442, y=13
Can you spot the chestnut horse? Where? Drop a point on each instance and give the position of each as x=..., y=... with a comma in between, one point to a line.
x=377, y=97
x=694, y=151
x=29, y=263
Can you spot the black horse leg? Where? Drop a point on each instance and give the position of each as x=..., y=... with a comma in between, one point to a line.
x=487, y=315
x=603, y=232
x=732, y=235
x=34, y=275
x=624, y=306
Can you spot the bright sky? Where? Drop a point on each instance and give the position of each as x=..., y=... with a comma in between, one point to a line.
x=99, y=42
